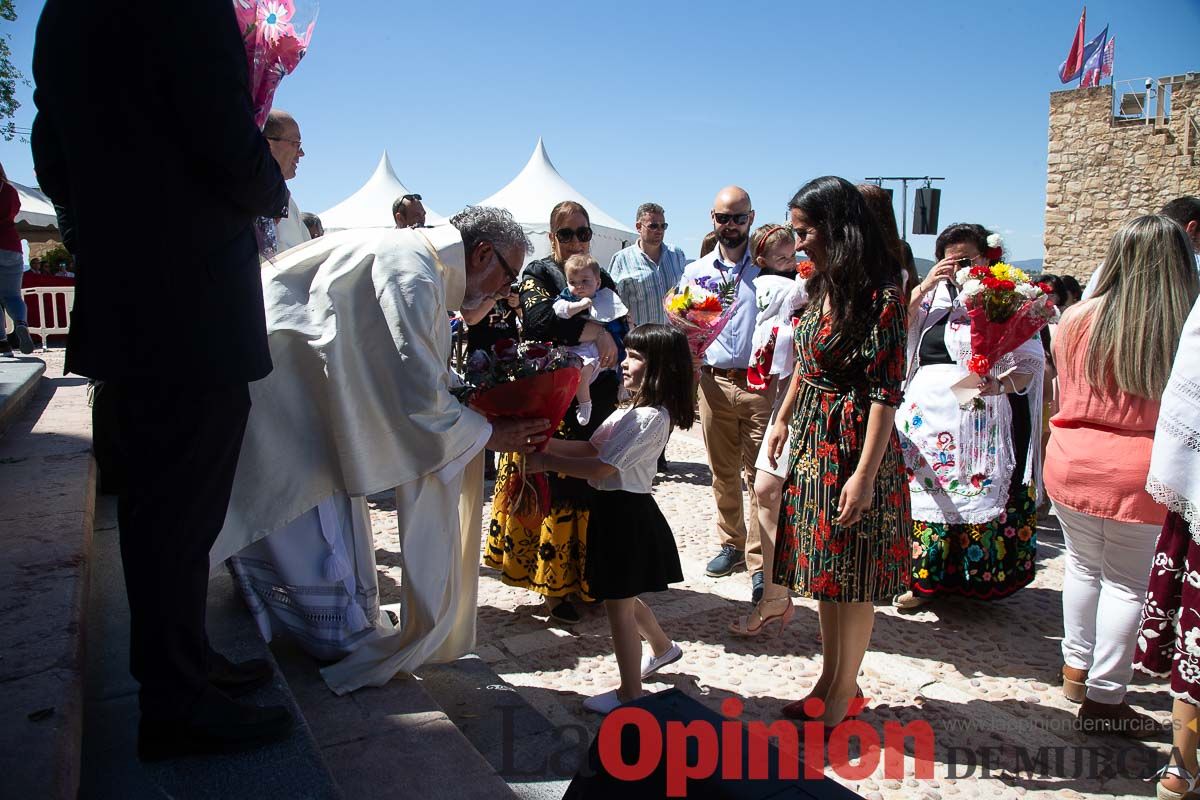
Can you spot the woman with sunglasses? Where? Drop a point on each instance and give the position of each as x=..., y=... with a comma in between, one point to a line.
x=973, y=473
x=548, y=558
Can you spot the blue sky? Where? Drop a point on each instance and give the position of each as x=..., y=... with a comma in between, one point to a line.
x=672, y=100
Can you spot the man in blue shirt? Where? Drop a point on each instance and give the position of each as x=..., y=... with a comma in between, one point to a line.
x=732, y=417
x=645, y=271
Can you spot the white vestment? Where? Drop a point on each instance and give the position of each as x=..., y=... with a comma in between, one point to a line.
x=291, y=230
x=359, y=403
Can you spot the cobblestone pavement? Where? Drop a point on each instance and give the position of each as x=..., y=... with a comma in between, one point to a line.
x=983, y=675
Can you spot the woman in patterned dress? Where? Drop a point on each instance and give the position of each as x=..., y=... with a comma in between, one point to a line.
x=548, y=558
x=973, y=474
x=844, y=525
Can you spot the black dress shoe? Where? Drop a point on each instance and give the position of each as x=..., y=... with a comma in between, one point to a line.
x=216, y=724
x=238, y=679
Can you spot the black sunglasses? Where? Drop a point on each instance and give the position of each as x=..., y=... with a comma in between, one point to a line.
x=565, y=235
x=724, y=219
x=416, y=197
x=512, y=275
x=656, y=226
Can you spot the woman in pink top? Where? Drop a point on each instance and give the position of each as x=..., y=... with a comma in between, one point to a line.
x=1114, y=354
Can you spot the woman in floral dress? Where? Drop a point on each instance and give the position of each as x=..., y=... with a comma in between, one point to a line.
x=973, y=474
x=844, y=525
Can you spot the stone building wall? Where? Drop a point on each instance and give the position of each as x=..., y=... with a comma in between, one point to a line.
x=1100, y=172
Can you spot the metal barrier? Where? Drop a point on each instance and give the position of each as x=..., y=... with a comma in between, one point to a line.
x=52, y=320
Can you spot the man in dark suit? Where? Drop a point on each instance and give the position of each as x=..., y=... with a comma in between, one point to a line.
x=132, y=118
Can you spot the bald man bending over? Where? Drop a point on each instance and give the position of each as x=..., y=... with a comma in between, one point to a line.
x=732, y=417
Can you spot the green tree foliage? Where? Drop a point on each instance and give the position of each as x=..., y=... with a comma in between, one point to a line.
x=9, y=76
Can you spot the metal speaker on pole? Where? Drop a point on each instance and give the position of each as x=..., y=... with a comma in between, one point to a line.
x=925, y=211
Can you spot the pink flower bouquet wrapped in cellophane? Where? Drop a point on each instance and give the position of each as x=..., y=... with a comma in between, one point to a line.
x=700, y=309
x=276, y=35
x=530, y=380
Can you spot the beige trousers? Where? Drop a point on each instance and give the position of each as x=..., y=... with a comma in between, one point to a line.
x=734, y=420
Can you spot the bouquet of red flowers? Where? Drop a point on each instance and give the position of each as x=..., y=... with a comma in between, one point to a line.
x=530, y=380
x=1006, y=309
x=700, y=309
x=275, y=42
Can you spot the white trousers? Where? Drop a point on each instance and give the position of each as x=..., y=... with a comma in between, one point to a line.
x=1108, y=566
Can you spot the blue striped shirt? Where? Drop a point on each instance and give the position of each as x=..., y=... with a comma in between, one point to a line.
x=642, y=284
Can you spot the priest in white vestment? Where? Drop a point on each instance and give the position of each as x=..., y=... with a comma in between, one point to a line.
x=358, y=403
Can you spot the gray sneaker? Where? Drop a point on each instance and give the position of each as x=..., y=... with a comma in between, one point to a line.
x=725, y=562
x=24, y=339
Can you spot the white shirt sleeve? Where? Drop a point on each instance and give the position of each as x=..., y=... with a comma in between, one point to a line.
x=452, y=469
x=562, y=308
x=640, y=434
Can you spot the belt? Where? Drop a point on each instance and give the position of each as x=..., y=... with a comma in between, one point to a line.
x=731, y=374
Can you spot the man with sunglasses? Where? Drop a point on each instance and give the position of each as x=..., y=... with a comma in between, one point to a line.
x=646, y=270
x=732, y=417
x=282, y=133
x=408, y=211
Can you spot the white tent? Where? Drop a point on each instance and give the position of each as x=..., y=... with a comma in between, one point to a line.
x=537, y=189
x=371, y=206
x=36, y=221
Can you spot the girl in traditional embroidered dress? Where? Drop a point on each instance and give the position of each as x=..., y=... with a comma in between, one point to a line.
x=974, y=474
x=844, y=526
x=630, y=548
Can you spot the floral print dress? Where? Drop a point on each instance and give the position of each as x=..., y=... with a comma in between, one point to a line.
x=842, y=375
x=1168, y=640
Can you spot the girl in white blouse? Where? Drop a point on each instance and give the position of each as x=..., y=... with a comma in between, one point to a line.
x=630, y=547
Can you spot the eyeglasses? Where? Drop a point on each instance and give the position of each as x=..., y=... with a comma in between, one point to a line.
x=565, y=235
x=656, y=226
x=416, y=197
x=296, y=142
x=725, y=219
x=512, y=274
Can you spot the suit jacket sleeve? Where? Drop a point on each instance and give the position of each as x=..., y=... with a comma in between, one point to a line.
x=207, y=81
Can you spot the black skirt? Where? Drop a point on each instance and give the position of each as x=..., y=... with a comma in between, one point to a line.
x=630, y=547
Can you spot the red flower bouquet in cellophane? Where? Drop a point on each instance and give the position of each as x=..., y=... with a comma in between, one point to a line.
x=530, y=380
x=1006, y=309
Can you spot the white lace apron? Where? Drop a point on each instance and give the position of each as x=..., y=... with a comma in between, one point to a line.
x=960, y=463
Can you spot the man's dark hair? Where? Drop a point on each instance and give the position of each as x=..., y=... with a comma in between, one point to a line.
x=1183, y=210
x=648, y=208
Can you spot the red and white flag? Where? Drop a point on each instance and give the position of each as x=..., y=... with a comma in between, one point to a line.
x=1106, y=63
x=1070, y=69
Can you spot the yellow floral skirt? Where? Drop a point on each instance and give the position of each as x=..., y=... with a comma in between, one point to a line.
x=548, y=559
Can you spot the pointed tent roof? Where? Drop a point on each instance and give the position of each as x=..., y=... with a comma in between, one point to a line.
x=538, y=188
x=371, y=206
x=36, y=209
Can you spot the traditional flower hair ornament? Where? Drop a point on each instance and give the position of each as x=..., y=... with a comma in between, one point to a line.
x=995, y=249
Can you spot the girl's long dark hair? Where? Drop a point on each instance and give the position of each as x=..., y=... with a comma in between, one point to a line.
x=669, y=378
x=857, y=262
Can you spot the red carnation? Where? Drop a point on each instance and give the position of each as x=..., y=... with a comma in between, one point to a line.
x=979, y=364
x=1006, y=286
x=980, y=272
x=1045, y=287
x=991, y=283
x=994, y=254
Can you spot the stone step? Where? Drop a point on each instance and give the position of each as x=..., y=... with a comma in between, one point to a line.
x=18, y=379
x=536, y=758
x=48, y=476
x=293, y=768
x=394, y=736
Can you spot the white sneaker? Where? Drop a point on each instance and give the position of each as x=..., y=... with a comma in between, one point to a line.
x=583, y=412
x=652, y=663
x=602, y=703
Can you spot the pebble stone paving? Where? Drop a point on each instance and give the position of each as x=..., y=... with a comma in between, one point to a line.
x=985, y=676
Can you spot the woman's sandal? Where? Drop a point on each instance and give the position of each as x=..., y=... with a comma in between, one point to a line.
x=796, y=710
x=1175, y=771
x=907, y=601
x=756, y=622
